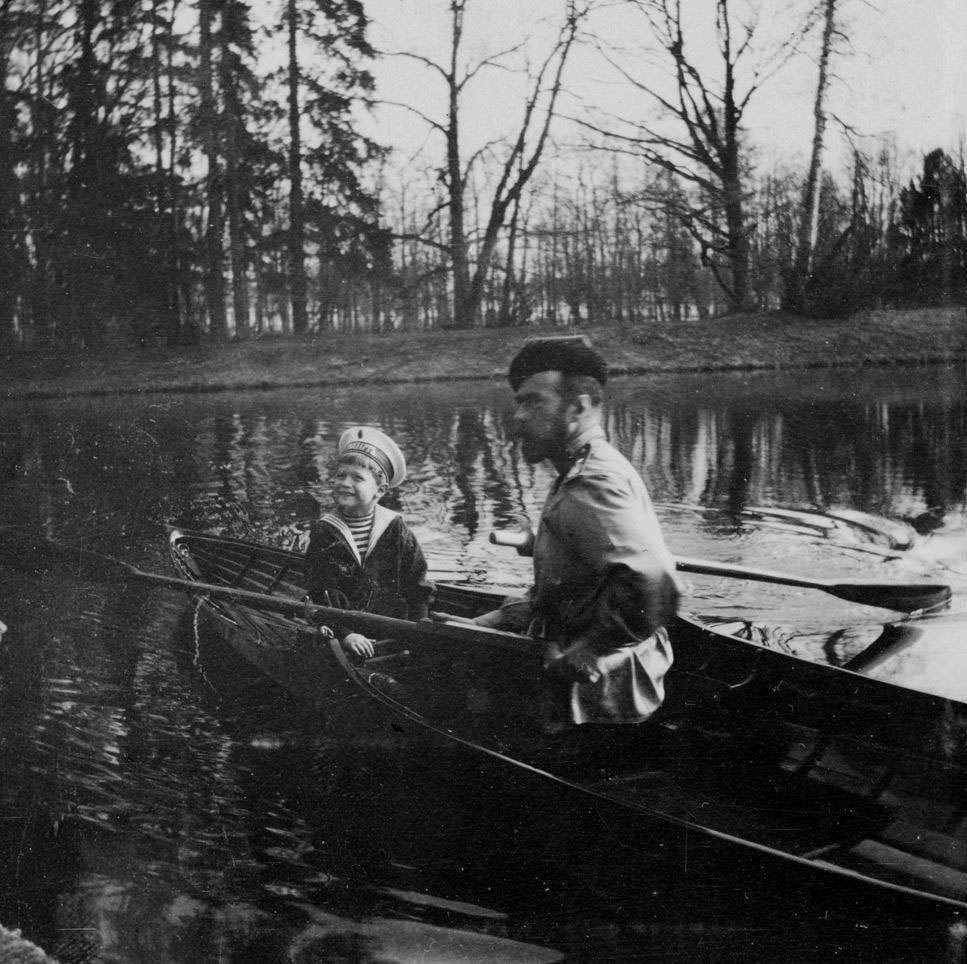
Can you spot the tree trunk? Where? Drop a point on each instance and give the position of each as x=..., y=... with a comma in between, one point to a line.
x=42, y=276
x=214, y=231
x=165, y=218
x=809, y=218
x=506, y=311
x=738, y=243
x=464, y=305
x=298, y=286
x=11, y=262
x=82, y=183
x=733, y=200
x=236, y=226
x=182, y=324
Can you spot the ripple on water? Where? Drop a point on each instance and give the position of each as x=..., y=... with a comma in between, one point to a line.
x=195, y=823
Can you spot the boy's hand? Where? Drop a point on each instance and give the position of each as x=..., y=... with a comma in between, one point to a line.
x=358, y=645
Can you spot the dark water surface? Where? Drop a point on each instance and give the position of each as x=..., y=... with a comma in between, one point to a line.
x=159, y=802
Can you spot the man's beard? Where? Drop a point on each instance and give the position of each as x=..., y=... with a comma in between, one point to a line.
x=549, y=446
x=532, y=450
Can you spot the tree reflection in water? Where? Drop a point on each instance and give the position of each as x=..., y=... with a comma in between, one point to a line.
x=153, y=811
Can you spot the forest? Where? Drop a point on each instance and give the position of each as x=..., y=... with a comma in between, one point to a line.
x=182, y=170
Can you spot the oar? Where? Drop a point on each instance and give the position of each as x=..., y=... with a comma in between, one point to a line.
x=906, y=597
x=84, y=562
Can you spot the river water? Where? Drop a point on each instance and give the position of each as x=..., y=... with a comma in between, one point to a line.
x=161, y=803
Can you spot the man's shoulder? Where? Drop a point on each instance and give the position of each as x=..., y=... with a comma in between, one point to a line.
x=602, y=461
x=600, y=449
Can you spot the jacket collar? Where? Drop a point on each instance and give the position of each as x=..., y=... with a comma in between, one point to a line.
x=578, y=449
x=382, y=517
x=576, y=444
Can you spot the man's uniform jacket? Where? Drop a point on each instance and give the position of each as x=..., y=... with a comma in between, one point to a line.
x=604, y=588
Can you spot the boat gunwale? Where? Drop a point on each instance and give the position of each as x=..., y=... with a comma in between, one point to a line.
x=932, y=702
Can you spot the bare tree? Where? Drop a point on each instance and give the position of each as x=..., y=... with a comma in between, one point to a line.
x=515, y=167
x=705, y=148
x=809, y=219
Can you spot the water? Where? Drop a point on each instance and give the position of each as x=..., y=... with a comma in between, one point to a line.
x=159, y=803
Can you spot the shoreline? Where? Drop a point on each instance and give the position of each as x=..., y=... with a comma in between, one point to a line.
x=194, y=388
x=746, y=343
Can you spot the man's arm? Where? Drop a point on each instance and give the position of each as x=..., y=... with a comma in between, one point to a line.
x=619, y=540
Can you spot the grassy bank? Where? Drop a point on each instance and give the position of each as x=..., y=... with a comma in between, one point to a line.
x=738, y=342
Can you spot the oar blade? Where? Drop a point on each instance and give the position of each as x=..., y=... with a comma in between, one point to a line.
x=902, y=597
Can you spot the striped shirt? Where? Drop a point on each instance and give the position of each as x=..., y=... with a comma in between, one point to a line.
x=361, y=529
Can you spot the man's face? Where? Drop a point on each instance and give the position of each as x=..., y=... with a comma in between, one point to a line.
x=539, y=417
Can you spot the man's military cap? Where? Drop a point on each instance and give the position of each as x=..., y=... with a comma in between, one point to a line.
x=570, y=355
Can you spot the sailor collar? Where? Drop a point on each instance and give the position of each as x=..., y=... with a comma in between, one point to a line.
x=382, y=517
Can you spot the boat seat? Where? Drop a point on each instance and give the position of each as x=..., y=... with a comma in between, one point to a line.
x=929, y=844
x=878, y=859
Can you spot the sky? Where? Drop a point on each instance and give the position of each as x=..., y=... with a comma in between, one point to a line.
x=903, y=75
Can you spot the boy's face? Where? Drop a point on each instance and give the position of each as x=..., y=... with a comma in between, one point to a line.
x=355, y=489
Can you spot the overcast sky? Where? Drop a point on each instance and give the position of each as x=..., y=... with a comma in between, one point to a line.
x=905, y=75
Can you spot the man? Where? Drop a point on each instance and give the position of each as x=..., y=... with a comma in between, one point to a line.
x=604, y=583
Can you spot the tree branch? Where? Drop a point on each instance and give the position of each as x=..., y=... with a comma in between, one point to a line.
x=491, y=61
x=419, y=58
x=414, y=236
x=436, y=125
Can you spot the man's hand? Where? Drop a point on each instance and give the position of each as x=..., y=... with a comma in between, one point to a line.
x=358, y=645
x=575, y=664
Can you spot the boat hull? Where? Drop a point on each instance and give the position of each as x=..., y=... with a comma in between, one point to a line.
x=759, y=765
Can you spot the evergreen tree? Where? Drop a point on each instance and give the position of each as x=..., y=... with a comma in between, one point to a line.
x=930, y=232
x=13, y=254
x=331, y=211
x=237, y=83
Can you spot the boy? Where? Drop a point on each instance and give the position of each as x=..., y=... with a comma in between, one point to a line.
x=362, y=552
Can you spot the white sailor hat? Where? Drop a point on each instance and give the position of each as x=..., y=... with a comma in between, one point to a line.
x=378, y=447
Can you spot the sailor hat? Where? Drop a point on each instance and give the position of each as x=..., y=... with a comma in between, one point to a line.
x=378, y=447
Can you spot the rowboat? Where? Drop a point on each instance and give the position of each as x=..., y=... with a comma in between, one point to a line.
x=758, y=758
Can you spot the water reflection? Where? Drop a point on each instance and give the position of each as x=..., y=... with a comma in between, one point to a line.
x=159, y=804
